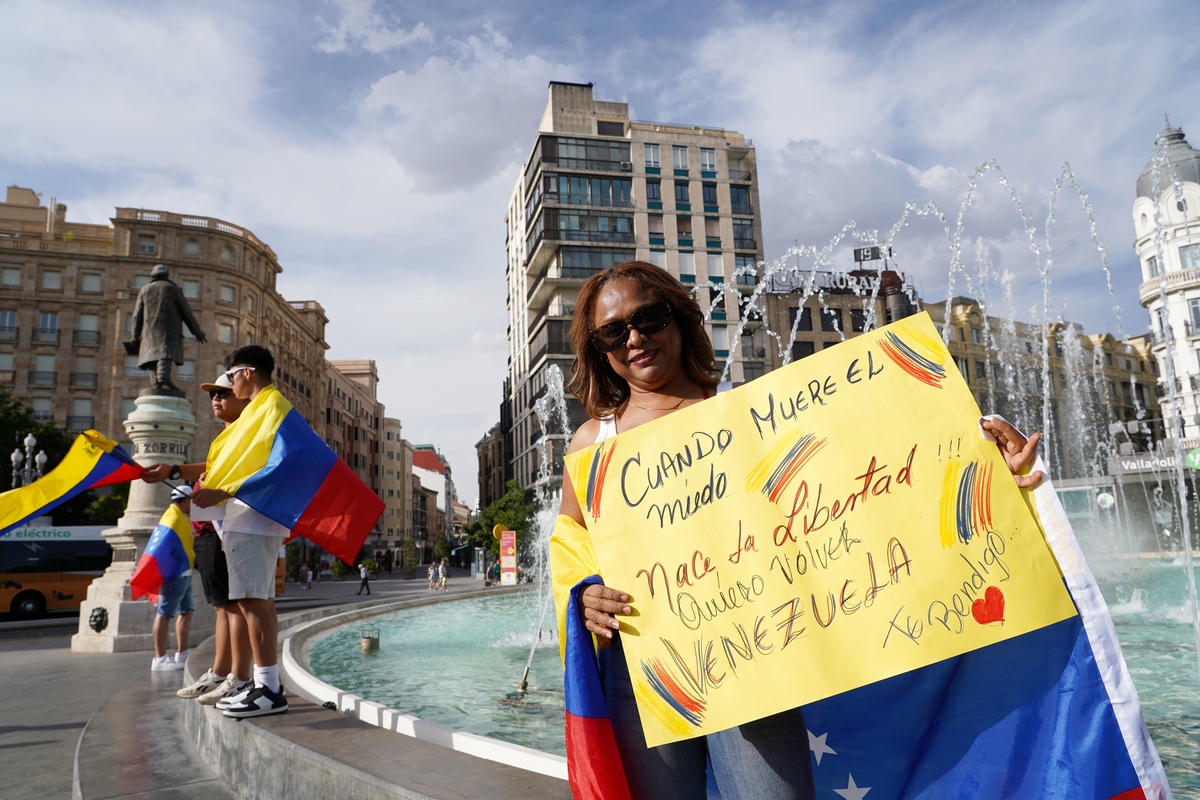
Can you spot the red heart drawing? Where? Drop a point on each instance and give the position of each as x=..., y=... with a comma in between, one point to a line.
x=990, y=608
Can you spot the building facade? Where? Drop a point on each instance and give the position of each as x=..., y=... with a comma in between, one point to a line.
x=67, y=293
x=396, y=464
x=597, y=189
x=1166, y=222
x=490, y=452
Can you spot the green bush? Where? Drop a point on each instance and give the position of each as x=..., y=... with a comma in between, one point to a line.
x=408, y=557
x=340, y=568
x=371, y=566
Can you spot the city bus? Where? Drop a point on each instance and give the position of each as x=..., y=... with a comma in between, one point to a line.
x=47, y=568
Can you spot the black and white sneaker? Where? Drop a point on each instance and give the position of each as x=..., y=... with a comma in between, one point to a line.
x=259, y=703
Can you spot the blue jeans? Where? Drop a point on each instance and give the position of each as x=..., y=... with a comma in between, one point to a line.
x=767, y=758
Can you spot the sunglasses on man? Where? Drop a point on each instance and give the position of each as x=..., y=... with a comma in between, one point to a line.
x=648, y=319
x=220, y=394
x=231, y=372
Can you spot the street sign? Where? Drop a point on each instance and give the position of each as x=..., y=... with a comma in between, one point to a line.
x=1193, y=459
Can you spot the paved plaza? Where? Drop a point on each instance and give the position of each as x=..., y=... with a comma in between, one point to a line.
x=134, y=745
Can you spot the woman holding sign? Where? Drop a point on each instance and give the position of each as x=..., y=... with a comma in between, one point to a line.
x=642, y=353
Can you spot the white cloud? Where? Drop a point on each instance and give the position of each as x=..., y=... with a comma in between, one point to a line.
x=361, y=26
x=457, y=121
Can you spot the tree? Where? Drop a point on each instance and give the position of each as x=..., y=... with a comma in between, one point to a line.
x=408, y=557
x=514, y=510
x=108, y=508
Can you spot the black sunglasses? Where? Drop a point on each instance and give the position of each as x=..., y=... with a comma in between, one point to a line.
x=219, y=394
x=648, y=319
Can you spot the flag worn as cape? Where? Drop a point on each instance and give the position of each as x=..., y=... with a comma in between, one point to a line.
x=169, y=553
x=272, y=461
x=94, y=460
x=1053, y=713
x=593, y=763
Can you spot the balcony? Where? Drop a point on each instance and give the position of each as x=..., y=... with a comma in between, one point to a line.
x=742, y=208
x=80, y=423
x=8, y=333
x=85, y=337
x=552, y=349
x=83, y=380
x=43, y=379
x=754, y=352
x=1174, y=281
x=744, y=244
x=45, y=335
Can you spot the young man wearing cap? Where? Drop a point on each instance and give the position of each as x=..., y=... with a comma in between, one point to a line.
x=230, y=671
x=251, y=542
x=174, y=602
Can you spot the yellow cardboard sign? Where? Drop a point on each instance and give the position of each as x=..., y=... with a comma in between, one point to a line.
x=831, y=524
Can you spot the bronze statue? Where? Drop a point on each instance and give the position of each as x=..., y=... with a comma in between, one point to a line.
x=158, y=319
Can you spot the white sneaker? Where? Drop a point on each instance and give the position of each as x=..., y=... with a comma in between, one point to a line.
x=230, y=687
x=182, y=656
x=164, y=663
x=208, y=681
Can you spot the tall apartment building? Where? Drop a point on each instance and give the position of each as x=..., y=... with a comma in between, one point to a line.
x=597, y=189
x=354, y=419
x=67, y=292
x=1167, y=242
x=396, y=463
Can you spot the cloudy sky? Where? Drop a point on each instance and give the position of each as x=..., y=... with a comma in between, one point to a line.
x=380, y=140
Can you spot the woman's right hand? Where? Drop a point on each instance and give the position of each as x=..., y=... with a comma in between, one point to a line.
x=600, y=603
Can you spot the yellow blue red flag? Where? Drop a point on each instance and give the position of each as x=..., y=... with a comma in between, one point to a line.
x=94, y=460
x=170, y=552
x=272, y=461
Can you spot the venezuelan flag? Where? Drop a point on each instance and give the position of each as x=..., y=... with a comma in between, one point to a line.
x=93, y=460
x=169, y=553
x=593, y=762
x=272, y=461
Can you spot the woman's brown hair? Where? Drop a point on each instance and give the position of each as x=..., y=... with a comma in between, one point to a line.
x=593, y=380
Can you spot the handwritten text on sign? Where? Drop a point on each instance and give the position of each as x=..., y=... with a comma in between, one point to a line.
x=833, y=523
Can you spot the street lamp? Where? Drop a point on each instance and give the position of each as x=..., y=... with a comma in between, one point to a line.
x=34, y=465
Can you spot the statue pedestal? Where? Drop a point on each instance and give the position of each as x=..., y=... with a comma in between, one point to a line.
x=161, y=429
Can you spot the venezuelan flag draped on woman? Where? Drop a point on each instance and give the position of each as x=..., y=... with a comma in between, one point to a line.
x=274, y=462
x=94, y=460
x=169, y=553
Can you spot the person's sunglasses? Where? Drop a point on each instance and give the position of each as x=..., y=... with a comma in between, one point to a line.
x=219, y=394
x=647, y=320
x=231, y=372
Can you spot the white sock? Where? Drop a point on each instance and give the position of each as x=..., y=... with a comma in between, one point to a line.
x=219, y=677
x=267, y=676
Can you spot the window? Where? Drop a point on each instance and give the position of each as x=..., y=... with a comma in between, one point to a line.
x=679, y=158
x=858, y=320
x=716, y=266
x=41, y=408
x=227, y=253
x=655, y=224
x=191, y=248
x=590, y=154
x=89, y=323
x=48, y=320
x=1108, y=359
x=145, y=244
x=977, y=336
x=651, y=155
x=720, y=338
x=654, y=191
x=831, y=319
x=89, y=282
x=43, y=363
x=1194, y=314
x=581, y=262
x=582, y=191
x=739, y=199
x=708, y=159
x=10, y=276
x=712, y=229
x=52, y=279
x=1152, y=267
x=224, y=333
x=81, y=407
x=187, y=371
x=980, y=369
x=250, y=304
x=743, y=234
x=610, y=128
x=227, y=294
x=140, y=280
x=658, y=258
x=683, y=226
x=805, y=319
x=85, y=363
x=709, y=191
x=687, y=263
x=802, y=349
x=191, y=289
x=681, y=192
x=1189, y=256
x=752, y=370
x=1029, y=347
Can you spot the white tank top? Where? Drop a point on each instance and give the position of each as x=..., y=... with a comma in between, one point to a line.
x=608, y=425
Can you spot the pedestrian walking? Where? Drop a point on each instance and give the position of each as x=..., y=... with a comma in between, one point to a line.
x=362, y=573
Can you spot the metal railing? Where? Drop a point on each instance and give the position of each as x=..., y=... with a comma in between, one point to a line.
x=45, y=335
x=83, y=380
x=742, y=208
x=80, y=423
x=86, y=337
x=8, y=334
x=43, y=378
x=744, y=244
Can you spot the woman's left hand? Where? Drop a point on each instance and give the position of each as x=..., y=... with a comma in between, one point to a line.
x=1019, y=453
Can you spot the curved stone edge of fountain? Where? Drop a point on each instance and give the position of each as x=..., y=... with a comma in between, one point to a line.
x=294, y=666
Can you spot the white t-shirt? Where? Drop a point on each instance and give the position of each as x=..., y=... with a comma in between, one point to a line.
x=242, y=518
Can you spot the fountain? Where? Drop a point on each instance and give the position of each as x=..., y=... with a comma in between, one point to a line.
x=1137, y=535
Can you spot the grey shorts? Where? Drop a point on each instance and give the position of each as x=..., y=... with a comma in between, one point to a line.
x=251, y=559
